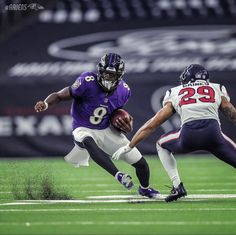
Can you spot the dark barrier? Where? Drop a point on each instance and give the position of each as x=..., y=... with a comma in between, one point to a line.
x=26, y=133
x=46, y=58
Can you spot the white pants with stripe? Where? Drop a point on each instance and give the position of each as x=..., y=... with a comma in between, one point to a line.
x=108, y=140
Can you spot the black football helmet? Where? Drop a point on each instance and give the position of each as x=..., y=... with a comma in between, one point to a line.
x=110, y=68
x=194, y=72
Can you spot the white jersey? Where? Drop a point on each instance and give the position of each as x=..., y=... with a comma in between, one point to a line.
x=198, y=100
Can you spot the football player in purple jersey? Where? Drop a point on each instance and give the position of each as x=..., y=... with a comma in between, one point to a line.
x=95, y=97
x=197, y=101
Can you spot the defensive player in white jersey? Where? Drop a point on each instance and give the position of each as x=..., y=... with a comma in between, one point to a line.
x=197, y=101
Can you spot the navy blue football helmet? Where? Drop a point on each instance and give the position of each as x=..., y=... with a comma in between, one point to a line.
x=194, y=72
x=110, y=68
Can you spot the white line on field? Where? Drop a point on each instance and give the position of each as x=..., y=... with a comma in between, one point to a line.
x=84, y=191
x=214, y=190
x=78, y=201
x=210, y=177
x=99, y=191
x=111, y=223
x=191, y=196
x=122, y=191
x=104, y=179
x=116, y=209
x=217, y=183
x=81, y=185
x=122, y=199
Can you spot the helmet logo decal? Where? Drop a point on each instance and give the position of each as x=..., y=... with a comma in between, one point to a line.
x=194, y=72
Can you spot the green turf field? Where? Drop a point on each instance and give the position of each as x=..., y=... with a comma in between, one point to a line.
x=207, y=210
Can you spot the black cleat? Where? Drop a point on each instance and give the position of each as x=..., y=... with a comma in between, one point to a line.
x=149, y=192
x=176, y=193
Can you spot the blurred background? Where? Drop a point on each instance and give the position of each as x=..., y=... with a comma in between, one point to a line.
x=45, y=45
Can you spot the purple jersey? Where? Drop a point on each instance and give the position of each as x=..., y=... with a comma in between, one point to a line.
x=92, y=106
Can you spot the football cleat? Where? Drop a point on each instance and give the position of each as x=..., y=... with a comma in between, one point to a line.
x=125, y=180
x=149, y=192
x=176, y=193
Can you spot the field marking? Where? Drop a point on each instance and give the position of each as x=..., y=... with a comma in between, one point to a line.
x=101, y=185
x=25, y=202
x=191, y=196
x=214, y=190
x=105, y=179
x=116, y=209
x=125, y=223
x=122, y=199
x=122, y=191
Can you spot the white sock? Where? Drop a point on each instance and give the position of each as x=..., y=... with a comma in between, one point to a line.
x=144, y=187
x=169, y=163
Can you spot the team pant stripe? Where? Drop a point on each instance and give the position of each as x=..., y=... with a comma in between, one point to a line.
x=167, y=138
x=229, y=140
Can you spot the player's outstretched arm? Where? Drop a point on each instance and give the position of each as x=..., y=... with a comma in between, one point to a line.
x=53, y=99
x=165, y=113
x=161, y=116
x=228, y=109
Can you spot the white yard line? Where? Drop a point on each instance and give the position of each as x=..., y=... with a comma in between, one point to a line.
x=122, y=191
x=191, y=196
x=100, y=191
x=214, y=190
x=124, y=223
x=78, y=201
x=211, y=184
x=122, y=199
x=101, y=185
x=98, y=210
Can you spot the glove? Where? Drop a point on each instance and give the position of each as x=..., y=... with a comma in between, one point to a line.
x=123, y=150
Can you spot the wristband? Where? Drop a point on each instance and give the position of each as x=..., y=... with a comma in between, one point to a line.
x=46, y=104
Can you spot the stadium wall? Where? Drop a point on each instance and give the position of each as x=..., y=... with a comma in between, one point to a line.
x=44, y=58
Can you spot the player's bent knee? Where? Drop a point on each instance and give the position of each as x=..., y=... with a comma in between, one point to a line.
x=88, y=141
x=158, y=146
x=92, y=148
x=132, y=156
